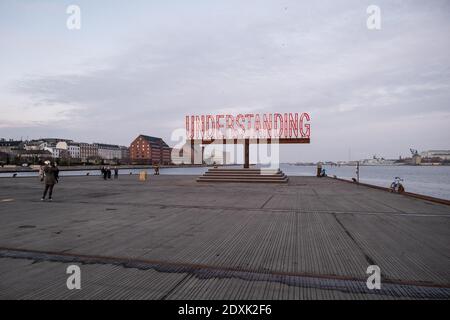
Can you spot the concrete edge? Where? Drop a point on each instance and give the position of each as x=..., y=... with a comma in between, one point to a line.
x=408, y=194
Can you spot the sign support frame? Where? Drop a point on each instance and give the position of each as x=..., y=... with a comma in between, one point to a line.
x=246, y=142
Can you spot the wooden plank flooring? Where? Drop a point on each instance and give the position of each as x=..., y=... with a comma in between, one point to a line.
x=172, y=238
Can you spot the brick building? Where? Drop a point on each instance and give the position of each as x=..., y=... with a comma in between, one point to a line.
x=149, y=150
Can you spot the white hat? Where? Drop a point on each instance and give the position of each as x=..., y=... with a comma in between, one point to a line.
x=47, y=162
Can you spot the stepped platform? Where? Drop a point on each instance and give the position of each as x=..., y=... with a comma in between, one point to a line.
x=244, y=175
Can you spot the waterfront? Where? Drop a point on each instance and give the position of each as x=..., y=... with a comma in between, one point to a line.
x=433, y=181
x=173, y=238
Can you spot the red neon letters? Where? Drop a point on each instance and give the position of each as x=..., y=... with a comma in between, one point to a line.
x=248, y=126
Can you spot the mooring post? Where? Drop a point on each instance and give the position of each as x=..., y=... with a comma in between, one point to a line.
x=247, y=154
x=357, y=171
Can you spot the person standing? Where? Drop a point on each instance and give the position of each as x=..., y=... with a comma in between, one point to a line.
x=49, y=180
x=55, y=166
x=109, y=172
x=104, y=173
x=116, y=173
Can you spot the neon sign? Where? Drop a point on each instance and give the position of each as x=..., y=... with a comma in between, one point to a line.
x=248, y=126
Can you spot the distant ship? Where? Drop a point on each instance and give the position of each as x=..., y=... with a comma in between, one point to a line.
x=375, y=161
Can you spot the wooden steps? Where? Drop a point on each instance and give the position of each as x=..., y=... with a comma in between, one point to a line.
x=244, y=175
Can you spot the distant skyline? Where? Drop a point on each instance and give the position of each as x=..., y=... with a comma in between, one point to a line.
x=140, y=67
x=239, y=153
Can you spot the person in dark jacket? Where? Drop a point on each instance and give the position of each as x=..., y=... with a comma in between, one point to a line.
x=104, y=173
x=116, y=173
x=49, y=180
x=56, y=172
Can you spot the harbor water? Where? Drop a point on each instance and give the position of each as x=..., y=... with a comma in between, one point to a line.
x=428, y=180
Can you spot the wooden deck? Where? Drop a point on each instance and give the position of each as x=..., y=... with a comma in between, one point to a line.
x=173, y=238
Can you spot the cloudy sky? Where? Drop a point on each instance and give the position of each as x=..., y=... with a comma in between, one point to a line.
x=141, y=66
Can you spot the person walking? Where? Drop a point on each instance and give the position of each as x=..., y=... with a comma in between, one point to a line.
x=108, y=170
x=49, y=180
x=116, y=173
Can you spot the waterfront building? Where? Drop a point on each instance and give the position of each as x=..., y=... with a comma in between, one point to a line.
x=72, y=148
x=54, y=141
x=108, y=151
x=5, y=158
x=183, y=155
x=55, y=151
x=443, y=154
x=88, y=152
x=35, y=145
x=150, y=150
x=10, y=146
x=416, y=160
x=33, y=156
x=58, y=148
x=125, y=158
x=177, y=156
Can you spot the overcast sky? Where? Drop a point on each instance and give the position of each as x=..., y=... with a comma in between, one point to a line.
x=141, y=66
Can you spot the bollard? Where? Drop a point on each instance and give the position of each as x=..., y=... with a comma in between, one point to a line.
x=143, y=176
